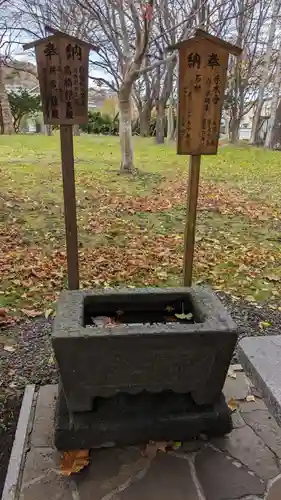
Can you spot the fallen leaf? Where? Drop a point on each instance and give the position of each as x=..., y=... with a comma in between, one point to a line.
x=176, y=445
x=103, y=321
x=170, y=308
x=9, y=348
x=48, y=313
x=250, y=398
x=74, y=461
x=184, y=316
x=232, y=405
x=51, y=361
x=231, y=373
x=31, y=313
x=272, y=277
x=152, y=448
x=264, y=324
x=237, y=367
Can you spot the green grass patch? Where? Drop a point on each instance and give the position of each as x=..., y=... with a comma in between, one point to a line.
x=131, y=227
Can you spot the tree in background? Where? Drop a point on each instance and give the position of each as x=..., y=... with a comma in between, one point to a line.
x=245, y=71
x=266, y=71
x=133, y=36
x=23, y=103
x=7, y=37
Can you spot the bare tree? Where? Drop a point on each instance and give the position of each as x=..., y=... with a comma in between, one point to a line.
x=244, y=72
x=144, y=98
x=273, y=134
x=7, y=37
x=266, y=70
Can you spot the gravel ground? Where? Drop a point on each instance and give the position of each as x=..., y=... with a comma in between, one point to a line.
x=32, y=360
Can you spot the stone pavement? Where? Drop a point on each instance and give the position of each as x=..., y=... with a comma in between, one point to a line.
x=245, y=465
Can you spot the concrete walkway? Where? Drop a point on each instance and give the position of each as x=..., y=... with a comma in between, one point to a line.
x=244, y=465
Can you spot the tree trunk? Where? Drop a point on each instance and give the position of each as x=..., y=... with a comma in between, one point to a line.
x=171, y=121
x=48, y=130
x=160, y=122
x=269, y=143
x=234, y=130
x=5, y=108
x=266, y=67
x=76, y=130
x=125, y=133
x=227, y=125
x=276, y=132
x=145, y=115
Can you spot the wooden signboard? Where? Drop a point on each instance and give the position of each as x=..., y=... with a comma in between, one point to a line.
x=62, y=64
x=202, y=75
x=63, y=68
x=203, y=62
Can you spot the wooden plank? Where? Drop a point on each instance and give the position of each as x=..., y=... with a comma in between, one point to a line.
x=199, y=33
x=63, y=69
x=202, y=76
x=67, y=162
x=70, y=37
x=35, y=43
x=229, y=47
x=189, y=237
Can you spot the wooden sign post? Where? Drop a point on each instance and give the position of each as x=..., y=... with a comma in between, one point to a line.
x=63, y=66
x=203, y=62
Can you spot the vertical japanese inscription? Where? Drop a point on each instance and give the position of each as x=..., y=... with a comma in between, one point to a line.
x=63, y=77
x=202, y=69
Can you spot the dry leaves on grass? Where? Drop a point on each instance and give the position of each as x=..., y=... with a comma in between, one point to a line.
x=31, y=313
x=144, y=257
x=74, y=461
x=5, y=319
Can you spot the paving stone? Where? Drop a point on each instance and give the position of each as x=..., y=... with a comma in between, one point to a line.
x=167, y=478
x=191, y=446
x=274, y=491
x=247, y=407
x=266, y=427
x=244, y=445
x=43, y=426
x=221, y=479
x=237, y=388
x=261, y=359
x=109, y=469
x=41, y=477
x=237, y=420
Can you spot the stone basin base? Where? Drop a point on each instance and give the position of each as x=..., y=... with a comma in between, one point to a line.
x=127, y=419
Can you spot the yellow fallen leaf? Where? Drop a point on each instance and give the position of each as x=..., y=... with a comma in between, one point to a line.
x=176, y=445
x=48, y=313
x=74, y=461
x=184, y=316
x=250, y=398
x=169, y=308
x=232, y=405
x=264, y=324
x=9, y=348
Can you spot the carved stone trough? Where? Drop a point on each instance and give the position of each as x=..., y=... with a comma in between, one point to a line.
x=148, y=351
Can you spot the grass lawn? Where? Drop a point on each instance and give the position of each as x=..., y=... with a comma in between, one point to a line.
x=131, y=228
